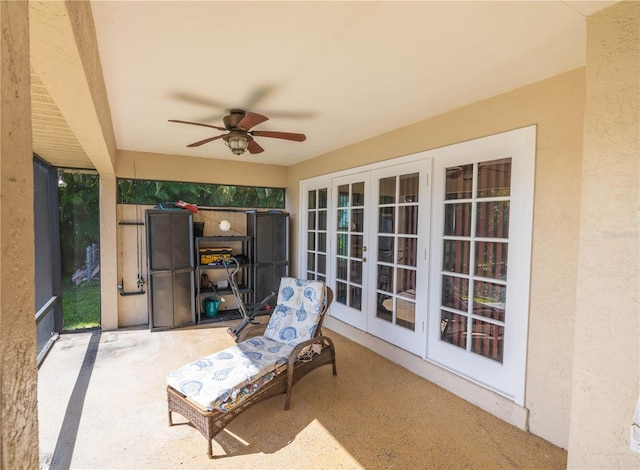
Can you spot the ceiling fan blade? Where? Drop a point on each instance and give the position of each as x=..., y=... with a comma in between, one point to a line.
x=199, y=100
x=251, y=119
x=280, y=135
x=205, y=141
x=254, y=147
x=199, y=124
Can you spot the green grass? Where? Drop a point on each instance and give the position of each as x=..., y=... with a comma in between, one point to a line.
x=80, y=306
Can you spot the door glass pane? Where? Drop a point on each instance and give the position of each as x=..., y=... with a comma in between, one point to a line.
x=494, y=178
x=491, y=260
x=343, y=195
x=459, y=184
x=356, y=271
x=343, y=244
x=385, y=307
x=457, y=219
x=322, y=242
x=341, y=271
x=341, y=292
x=455, y=292
x=489, y=300
x=311, y=241
x=357, y=194
x=357, y=220
x=322, y=220
x=406, y=314
x=453, y=328
x=406, y=283
x=386, y=223
x=356, y=246
x=456, y=256
x=311, y=220
x=322, y=198
x=311, y=199
x=407, y=251
x=487, y=340
x=311, y=261
x=355, y=297
x=322, y=264
x=409, y=188
x=408, y=219
x=387, y=190
x=343, y=220
x=385, y=278
x=492, y=219
x=385, y=249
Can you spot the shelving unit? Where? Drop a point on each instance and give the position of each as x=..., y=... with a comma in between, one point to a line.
x=228, y=310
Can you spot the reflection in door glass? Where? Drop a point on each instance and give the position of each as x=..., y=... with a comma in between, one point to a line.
x=341, y=269
x=357, y=194
x=387, y=190
x=355, y=300
x=481, y=226
x=356, y=272
x=406, y=313
x=342, y=248
x=343, y=220
x=356, y=246
x=409, y=188
x=343, y=195
x=386, y=222
x=407, y=251
x=357, y=220
x=385, y=249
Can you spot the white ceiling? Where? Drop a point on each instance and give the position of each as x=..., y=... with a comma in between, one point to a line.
x=339, y=72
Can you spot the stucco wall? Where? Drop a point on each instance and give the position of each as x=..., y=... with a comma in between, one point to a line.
x=18, y=370
x=606, y=382
x=556, y=106
x=164, y=167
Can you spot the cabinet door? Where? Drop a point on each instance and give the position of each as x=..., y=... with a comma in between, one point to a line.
x=181, y=240
x=182, y=297
x=161, y=304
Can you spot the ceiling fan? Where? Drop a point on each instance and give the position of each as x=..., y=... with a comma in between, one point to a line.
x=240, y=138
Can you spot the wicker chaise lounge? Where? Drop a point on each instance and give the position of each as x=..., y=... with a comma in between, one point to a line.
x=215, y=389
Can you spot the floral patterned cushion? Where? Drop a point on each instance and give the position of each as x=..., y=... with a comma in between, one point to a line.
x=297, y=312
x=218, y=378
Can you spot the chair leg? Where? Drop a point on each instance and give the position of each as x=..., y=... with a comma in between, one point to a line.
x=170, y=418
x=209, y=449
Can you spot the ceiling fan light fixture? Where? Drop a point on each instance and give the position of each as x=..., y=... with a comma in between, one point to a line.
x=237, y=142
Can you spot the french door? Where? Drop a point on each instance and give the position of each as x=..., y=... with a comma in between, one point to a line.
x=432, y=253
x=398, y=261
x=379, y=259
x=349, y=229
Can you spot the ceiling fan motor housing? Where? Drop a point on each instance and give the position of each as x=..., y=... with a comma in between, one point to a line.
x=232, y=120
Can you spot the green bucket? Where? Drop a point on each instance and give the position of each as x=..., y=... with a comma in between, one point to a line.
x=210, y=307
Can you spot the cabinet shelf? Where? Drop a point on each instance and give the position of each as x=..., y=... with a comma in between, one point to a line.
x=239, y=246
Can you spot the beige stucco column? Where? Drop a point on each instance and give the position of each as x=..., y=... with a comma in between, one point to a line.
x=606, y=358
x=18, y=370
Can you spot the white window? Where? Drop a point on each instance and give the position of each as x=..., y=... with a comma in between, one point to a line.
x=480, y=263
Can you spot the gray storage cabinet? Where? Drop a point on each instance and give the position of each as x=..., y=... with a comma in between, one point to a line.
x=270, y=261
x=170, y=268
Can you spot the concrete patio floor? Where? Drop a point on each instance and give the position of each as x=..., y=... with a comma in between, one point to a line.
x=102, y=405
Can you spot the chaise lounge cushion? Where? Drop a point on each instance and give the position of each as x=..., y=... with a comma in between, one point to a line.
x=299, y=306
x=219, y=378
